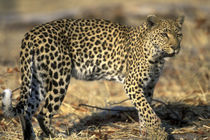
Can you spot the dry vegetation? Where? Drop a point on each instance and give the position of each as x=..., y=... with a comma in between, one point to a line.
x=183, y=87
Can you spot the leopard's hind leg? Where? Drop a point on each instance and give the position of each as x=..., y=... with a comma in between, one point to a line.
x=31, y=92
x=56, y=85
x=35, y=95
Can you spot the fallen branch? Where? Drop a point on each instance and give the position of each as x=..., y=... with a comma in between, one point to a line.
x=14, y=90
x=119, y=102
x=107, y=109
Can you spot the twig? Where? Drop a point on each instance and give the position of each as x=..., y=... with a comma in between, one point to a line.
x=105, y=108
x=120, y=102
x=127, y=115
x=156, y=100
x=14, y=90
x=177, y=116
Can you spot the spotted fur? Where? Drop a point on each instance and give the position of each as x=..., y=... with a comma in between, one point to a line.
x=92, y=49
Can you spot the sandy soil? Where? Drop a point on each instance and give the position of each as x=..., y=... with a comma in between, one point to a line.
x=183, y=87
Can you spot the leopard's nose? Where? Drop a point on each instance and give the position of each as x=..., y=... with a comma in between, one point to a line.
x=175, y=46
x=173, y=42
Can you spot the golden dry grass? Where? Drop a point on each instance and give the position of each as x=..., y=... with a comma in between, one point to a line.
x=183, y=87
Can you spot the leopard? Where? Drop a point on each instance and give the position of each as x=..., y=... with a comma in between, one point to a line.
x=91, y=49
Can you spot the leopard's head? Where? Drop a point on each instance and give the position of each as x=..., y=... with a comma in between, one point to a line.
x=164, y=35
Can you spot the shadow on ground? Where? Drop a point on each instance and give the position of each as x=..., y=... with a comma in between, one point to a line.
x=180, y=121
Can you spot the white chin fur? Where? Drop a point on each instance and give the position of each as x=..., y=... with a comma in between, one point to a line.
x=7, y=97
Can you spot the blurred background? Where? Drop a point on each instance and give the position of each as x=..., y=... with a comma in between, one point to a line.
x=185, y=78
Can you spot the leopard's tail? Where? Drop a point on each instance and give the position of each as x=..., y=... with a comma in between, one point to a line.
x=8, y=109
x=25, y=90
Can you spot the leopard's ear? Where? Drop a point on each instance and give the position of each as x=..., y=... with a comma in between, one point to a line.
x=152, y=20
x=180, y=20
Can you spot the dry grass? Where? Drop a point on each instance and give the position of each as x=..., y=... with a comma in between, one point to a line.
x=183, y=87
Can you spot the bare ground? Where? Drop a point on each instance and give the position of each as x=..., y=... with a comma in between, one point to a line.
x=183, y=88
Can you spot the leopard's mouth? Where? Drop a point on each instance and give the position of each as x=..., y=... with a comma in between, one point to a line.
x=166, y=52
x=170, y=53
x=173, y=52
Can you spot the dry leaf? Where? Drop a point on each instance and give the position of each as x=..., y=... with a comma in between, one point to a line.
x=1, y=82
x=9, y=70
x=16, y=69
x=3, y=87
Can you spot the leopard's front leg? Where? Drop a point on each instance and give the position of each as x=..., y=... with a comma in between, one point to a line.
x=150, y=124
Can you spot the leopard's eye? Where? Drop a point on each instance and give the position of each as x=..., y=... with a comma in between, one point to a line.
x=164, y=35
